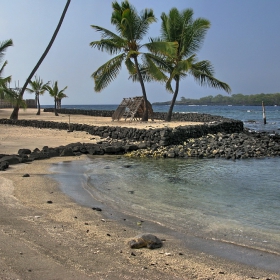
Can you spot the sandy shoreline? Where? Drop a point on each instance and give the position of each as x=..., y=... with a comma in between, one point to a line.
x=63, y=240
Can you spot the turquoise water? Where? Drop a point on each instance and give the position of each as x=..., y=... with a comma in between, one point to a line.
x=231, y=201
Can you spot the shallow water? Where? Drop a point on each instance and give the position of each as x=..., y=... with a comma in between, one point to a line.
x=236, y=202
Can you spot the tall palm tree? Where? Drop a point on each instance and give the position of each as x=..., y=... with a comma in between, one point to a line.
x=14, y=114
x=189, y=34
x=4, y=80
x=131, y=29
x=38, y=87
x=55, y=93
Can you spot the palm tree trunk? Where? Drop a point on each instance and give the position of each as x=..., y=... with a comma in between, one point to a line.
x=55, y=110
x=39, y=107
x=145, y=113
x=14, y=115
x=175, y=94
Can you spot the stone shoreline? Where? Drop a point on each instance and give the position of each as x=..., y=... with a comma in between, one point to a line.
x=222, y=138
x=228, y=146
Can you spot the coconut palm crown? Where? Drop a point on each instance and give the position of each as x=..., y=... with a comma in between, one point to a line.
x=190, y=34
x=126, y=44
x=38, y=87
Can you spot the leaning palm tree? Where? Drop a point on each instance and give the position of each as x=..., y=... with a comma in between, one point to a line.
x=189, y=34
x=131, y=29
x=38, y=87
x=55, y=93
x=14, y=114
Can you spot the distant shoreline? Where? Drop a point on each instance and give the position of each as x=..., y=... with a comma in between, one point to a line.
x=188, y=104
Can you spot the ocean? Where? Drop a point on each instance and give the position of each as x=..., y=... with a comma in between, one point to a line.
x=226, y=208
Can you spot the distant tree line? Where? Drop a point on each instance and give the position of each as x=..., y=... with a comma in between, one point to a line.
x=269, y=99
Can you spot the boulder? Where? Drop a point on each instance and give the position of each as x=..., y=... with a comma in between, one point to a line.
x=112, y=150
x=67, y=152
x=11, y=159
x=4, y=165
x=24, y=152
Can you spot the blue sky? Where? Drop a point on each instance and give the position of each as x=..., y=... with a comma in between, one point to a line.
x=243, y=44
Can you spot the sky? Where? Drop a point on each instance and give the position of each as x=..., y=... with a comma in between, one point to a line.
x=243, y=44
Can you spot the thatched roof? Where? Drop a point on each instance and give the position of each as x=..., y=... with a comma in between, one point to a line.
x=132, y=108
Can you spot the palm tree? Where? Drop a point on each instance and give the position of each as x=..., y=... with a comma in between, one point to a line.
x=55, y=93
x=38, y=87
x=14, y=114
x=4, y=80
x=189, y=34
x=60, y=96
x=131, y=29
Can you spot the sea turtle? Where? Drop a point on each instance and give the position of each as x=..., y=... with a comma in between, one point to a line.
x=145, y=240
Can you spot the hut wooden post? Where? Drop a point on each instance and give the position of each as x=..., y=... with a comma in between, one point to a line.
x=69, y=129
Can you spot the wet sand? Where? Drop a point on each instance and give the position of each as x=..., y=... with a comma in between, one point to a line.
x=46, y=235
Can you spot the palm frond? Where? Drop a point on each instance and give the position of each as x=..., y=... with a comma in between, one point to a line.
x=4, y=81
x=61, y=94
x=105, y=33
x=107, y=72
x=210, y=81
x=193, y=36
x=110, y=46
x=130, y=66
x=168, y=85
x=183, y=66
x=14, y=97
x=168, y=49
x=3, y=47
x=125, y=18
x=2, y=68
x=203, y=74
x=203, y=66
x=153, y=69
x=145, y=74
x=146, y=18
x=37, y=86
x=163, y=63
